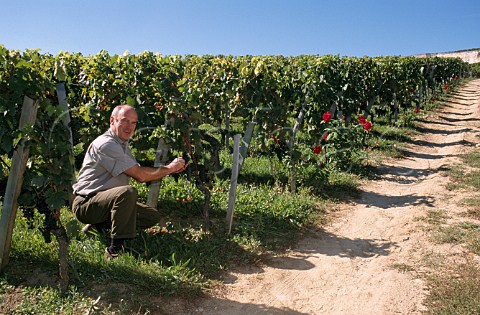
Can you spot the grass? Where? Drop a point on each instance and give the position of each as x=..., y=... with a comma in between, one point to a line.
x=466, y=233
x=472, y=181
x=473, y=207
x=390, y=140
x=454, y=291
x=44, y=300
x=467, y=174
x=403, y=267
x=453, y=286
x=436, y=217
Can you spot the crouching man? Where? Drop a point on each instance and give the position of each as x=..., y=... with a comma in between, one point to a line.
x=103, y=195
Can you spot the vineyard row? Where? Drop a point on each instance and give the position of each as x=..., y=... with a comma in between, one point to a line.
x=177, y=96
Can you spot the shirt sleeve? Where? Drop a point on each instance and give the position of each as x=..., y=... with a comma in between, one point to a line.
x=115, y=159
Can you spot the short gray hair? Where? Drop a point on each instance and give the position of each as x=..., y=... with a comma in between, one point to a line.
x=118, y=108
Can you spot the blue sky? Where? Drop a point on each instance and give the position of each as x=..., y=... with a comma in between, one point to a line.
x=242, y=27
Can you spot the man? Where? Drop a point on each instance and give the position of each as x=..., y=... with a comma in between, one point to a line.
x=103, y=194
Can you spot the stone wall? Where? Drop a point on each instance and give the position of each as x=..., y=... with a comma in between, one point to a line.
x=471, y=56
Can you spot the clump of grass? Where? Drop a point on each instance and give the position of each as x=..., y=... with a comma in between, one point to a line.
x=465, y=233
x=402, y=267
x=472, y=159
x=454, y=290
x=455, y=173
x=466, y=179
x=473, y=204
x=463, y=178
x=450, y=235
x=472, y=179
x=42, y=300
x=271, y=217
x=436, y=217
x=389, y=141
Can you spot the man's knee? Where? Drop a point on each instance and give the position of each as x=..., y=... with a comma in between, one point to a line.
x=129, y=192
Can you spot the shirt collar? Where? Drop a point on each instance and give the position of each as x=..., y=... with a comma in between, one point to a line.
x=117, y=139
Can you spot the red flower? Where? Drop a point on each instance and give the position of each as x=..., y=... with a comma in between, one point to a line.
x=344, y=117
x=417, y=110
x=317, y=149
x=325, y=136
x=367, y=125
x=362, y=119
x=327, y=116
x=432, y=99
x=445, y=87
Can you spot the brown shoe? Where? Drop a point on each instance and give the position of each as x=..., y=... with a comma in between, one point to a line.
x=109, y=255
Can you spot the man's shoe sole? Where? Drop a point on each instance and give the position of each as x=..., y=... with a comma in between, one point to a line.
x=109, y=255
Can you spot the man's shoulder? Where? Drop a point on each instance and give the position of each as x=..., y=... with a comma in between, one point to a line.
x=104, y=140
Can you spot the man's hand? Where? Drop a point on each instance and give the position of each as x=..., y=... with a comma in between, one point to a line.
x=177, y=165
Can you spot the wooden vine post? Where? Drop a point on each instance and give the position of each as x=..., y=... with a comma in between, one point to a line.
x=368, y=110
x=60, y=232
x=247, y=138
x=395, y=107
x=291, y=143
x=14, y=182
x=161, y=157
x=425, y=88
x=239, y=154
x=62, y=100
x=420, y=98
x=233, y=181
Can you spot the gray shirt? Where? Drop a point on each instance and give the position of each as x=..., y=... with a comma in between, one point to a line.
x=106, y=159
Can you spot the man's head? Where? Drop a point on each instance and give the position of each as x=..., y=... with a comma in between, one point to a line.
x=123, y=121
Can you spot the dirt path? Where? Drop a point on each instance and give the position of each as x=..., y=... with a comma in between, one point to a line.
x=367, y=260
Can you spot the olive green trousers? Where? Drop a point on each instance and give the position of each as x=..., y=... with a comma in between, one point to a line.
x=119, y=207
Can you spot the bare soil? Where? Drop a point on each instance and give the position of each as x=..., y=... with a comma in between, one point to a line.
x=371, y=258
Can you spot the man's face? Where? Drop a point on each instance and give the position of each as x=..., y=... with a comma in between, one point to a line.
x=125, y=123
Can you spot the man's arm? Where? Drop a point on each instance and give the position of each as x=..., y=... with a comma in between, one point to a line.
x=144, y=174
